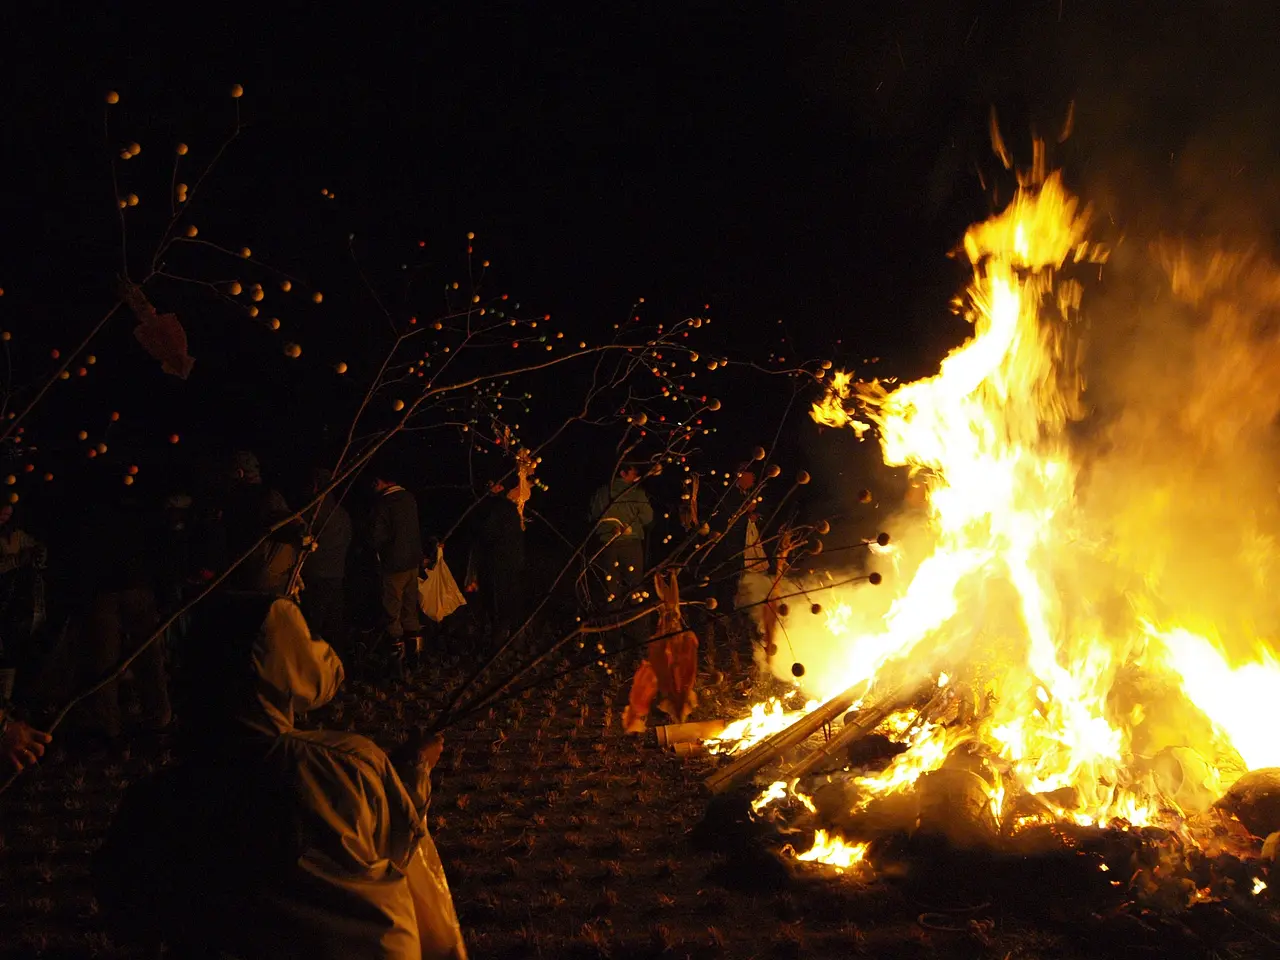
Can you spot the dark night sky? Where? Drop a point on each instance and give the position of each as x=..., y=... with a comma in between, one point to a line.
x=804, y=162
x=601, y=154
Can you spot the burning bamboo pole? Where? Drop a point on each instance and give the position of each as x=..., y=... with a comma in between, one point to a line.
x=674, y=733
x=767, y=749
x=866, y=721
x=688, y=748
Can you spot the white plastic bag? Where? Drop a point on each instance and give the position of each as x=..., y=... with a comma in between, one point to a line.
x=438, y=594
x=438, y=929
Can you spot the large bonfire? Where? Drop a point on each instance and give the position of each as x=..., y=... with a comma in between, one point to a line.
x=1073, y=683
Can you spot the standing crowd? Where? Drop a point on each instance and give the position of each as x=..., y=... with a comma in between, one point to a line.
x=265, y=839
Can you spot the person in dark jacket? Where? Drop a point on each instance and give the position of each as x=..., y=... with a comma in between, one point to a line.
x=119, y=572
x=238, y=516
x=397, y=539
x=248, y=504
x=249, y=509
x=23, y=559
x=500, y=565
x=734, y=535
x=325, y=570
x=176, y=564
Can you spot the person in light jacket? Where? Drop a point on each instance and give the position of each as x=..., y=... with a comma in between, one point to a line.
x=264, y=840
x=622, y=513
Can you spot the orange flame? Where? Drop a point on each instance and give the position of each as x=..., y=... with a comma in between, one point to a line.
x=834, y=852
x=764, y=720
x=996, y=586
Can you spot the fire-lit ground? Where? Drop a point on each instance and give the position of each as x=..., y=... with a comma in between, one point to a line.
x=563, y=839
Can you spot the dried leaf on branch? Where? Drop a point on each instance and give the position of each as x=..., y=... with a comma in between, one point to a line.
x=160, y=334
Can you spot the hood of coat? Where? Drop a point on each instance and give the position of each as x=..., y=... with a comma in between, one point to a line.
x=254, y=666
x=294, y=672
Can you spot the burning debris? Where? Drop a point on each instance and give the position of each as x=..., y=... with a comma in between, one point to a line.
x=1064, y=712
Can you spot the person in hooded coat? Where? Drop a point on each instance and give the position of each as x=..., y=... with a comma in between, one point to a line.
x=119, y=574
x=500, y=560
x=264, y=840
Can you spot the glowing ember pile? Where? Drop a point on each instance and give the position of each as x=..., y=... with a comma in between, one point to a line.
x=834, y=852
x=1071, y=707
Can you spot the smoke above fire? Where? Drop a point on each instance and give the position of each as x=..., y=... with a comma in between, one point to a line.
x=1180, y=459
x=829, y=606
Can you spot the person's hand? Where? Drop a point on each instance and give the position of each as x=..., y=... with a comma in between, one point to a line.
x=429, y=752
x=22, y=745
x=413, y=761
x=419, y=750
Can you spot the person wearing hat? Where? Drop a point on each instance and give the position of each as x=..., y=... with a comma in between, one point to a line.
x=397, y=538
x=249, y=510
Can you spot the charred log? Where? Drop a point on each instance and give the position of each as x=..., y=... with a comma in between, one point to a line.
x=1254, y=800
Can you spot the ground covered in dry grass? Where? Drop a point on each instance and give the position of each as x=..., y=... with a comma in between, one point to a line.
x=562, y=838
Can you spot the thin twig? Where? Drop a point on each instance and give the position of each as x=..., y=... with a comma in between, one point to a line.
x=53, y=378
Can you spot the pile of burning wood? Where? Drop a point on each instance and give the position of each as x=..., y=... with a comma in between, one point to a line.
x=838, y=779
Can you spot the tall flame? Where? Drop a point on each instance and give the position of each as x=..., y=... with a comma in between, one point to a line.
x=1005, y=586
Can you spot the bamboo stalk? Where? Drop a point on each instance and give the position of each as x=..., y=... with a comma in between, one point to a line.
x=866, y=721
x=755, y=758
x=673, y=733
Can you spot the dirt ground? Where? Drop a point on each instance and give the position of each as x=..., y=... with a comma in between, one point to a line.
x=562, y=838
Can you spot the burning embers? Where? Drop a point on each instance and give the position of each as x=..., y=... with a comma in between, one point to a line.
x=834, y=852
x=911, y=771
x=1068, y=699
